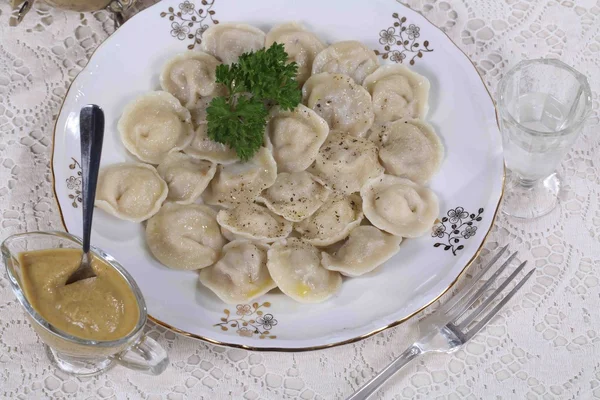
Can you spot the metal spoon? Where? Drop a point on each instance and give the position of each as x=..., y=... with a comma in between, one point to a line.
x=91, y=133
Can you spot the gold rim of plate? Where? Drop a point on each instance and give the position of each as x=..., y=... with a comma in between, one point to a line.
x=310, y=348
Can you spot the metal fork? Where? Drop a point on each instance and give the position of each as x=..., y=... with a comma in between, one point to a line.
x=454, y=323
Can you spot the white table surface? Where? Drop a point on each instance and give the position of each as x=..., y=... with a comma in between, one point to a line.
x=544, y=345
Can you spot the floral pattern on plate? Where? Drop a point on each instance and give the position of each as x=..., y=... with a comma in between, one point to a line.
x=249, y=320
x=74, y=183
x=400, y=42
x=461, y=226
x=190, y=22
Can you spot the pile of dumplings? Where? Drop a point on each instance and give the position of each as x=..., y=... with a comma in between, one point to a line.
x=337, y=185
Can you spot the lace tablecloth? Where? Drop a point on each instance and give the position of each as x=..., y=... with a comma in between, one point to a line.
x=545, y=345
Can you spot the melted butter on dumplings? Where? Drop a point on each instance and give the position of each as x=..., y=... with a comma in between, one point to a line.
x=185, y=236
x=399, y=206
x=130, y=191
x=365, y=249
x=154, y=124
x=228, y=41
x=295, y=137
x=296, y=268
x=345, y=105
x=186, y=176
x=255, y=222
x=295, y=196
x=333, y=221
x=349, y=57
x=398, y=93
x=241, y=275
x=346, y=163
x=239, y=183
x=301, y=46
x=411, y=149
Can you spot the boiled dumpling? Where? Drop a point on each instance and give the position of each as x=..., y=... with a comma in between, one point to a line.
x=399, y=206
x=296, y=268
x=186, y=176
x=154, y=124
x=398, y=93
x=333, y=221
x=345, y=105
x=295, y=196
x=230, y=235
x=349, y=57
x=189, y=77
x=365, y=249
x=255, y=222
x=130, y=191
x=411, y=149
x=295, y=137
x=346, y=163
x=198, y=113
x=301, y=46
x=238, y=183
x=185, y=236
x=205, y=148
x=229, y=41
x=375, y=134
x=241, y=275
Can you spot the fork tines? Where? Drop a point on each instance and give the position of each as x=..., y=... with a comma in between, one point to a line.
x=460, y=312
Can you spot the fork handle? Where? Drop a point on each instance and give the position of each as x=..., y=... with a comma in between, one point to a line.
x=376, y=382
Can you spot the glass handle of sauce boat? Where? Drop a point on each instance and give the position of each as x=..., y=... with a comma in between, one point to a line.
x=146, y=355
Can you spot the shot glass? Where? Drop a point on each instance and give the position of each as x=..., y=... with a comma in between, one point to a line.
x=71, y=354
x=543, y=105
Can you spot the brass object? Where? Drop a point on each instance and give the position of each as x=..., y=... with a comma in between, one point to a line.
x=117, y=8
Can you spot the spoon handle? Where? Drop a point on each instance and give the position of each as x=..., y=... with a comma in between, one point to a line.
x=91, y=134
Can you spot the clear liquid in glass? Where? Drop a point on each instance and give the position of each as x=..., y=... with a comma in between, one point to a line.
x=534, y=157
x=543, y=105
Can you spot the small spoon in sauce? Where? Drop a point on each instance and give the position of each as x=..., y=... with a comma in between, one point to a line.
x=91, y=134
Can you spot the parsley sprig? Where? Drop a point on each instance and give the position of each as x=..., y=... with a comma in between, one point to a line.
x=239, y=118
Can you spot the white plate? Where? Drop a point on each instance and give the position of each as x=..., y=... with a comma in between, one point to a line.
x=469, y=184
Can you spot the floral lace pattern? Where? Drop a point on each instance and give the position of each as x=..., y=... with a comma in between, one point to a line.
x=544, y=345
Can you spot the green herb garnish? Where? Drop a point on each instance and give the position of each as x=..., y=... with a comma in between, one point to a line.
x=239, y=118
